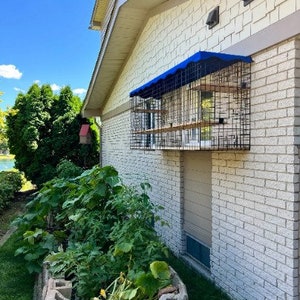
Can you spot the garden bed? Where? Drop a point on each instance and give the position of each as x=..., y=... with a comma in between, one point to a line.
x=47, y=288
x=93, y=229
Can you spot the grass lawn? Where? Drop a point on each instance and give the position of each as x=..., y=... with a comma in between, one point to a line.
x=15, y=282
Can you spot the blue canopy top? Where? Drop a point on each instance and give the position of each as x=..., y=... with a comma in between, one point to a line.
x=185, y=72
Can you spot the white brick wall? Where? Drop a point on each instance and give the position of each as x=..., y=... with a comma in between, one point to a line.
x=262, y=208
x=172, y=36
x=161, y=169
x=254, y=193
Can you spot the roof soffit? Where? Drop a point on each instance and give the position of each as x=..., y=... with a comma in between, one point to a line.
x=127, y=21
x=98, y=14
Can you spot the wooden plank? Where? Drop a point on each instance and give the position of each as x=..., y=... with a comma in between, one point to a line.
x=185, y=126
x=219, y=88
x=141, y=110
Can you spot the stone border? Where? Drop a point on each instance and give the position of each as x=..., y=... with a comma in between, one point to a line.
x=48, y=288
x=181, y=293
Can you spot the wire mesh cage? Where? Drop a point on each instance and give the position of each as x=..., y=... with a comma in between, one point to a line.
x=202, y=107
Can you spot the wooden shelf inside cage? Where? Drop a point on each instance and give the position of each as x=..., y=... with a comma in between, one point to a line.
x=185, y=126
x=142, y=110
x=219, y=88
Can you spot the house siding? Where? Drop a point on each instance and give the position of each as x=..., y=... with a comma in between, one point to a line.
x=255, y=205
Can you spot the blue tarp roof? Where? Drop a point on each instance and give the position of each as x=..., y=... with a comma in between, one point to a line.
x=196, y=66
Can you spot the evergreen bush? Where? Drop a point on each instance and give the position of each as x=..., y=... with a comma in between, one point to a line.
x=10, y=183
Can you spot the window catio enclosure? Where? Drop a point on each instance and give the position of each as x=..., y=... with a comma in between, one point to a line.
x=201, y=104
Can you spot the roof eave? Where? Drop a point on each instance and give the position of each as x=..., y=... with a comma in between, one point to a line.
x=98, y=14
x=111, y=59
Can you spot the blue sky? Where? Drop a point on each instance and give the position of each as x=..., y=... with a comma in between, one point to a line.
x=48, y=42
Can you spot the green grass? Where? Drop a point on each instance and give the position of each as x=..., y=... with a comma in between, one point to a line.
x=198, y=287
x=15, y=282
x=7, y=156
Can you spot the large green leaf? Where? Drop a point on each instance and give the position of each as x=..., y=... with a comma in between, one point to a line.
x=79, y=213
x=123, y=248
x=148, y=284
x=100, y=189
x=160, y=270
x=128, y=294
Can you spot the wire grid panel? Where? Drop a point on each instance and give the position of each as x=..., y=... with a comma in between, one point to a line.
x=211, y=112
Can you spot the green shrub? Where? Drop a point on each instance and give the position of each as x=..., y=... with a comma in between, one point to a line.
x=14, y=178
x=10, y=183
x=92, y=227
x=67, y=169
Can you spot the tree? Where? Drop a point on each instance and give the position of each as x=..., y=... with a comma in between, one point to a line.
x=3, y=136
x=44, y=129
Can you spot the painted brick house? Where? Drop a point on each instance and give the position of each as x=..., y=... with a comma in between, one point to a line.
x=202, y=99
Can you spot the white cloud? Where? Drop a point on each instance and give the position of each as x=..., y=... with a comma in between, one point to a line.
x=19, y=90
x=55, y=87
x=10, y=72
x=37, y=81
x=79, y=91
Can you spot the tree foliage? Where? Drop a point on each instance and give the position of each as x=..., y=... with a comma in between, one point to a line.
x=3, y=137
x=43, y=129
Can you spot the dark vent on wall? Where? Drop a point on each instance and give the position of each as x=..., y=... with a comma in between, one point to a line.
x=213, y=18
x=246, y=2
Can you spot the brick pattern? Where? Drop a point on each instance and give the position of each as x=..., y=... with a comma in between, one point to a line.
x=161, y=169
x=172, y=36
x=254, y=194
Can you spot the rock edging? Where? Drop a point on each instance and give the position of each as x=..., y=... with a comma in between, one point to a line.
x=180, y=292
x=48, y=288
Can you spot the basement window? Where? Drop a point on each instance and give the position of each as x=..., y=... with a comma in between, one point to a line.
x=201, y=104
x=198, y=251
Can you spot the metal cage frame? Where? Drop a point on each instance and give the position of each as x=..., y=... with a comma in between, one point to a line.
x=204, y=106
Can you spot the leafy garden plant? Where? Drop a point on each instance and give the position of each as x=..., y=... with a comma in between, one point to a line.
x=90, y=229
x=10, y=183
x=144, y=286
